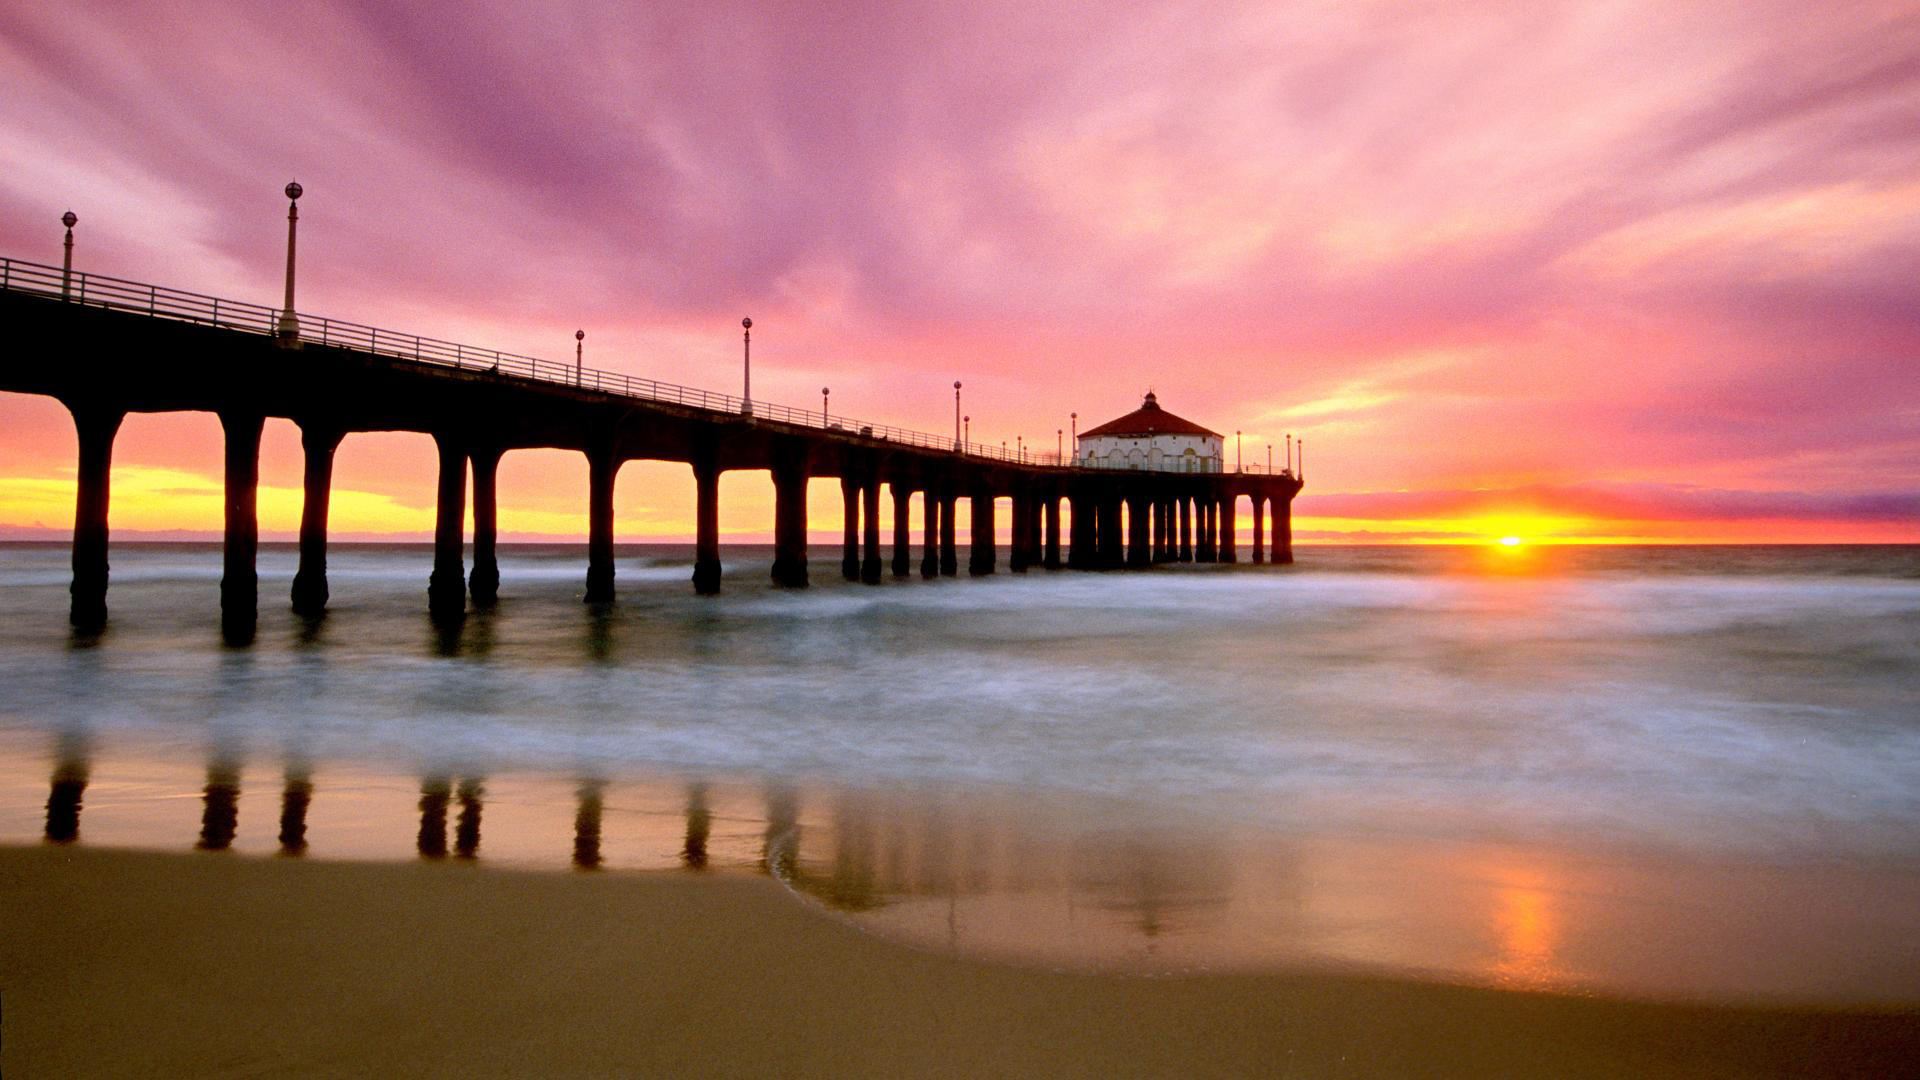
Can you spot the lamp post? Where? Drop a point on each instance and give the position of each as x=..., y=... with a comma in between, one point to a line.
x=579, y=354
x=1269, y=459
x=69, y=219
x=1019, y=447
x=1057, y=459
x=746, y=365
x=289, y=324
x=823, y=406
x=958, y=444
x=1302, y=474
x=1074, y=418
x=1239, y=459
x=967, y=437
x=1289, y=453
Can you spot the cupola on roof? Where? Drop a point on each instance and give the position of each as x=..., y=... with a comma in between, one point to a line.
x=1150, y=419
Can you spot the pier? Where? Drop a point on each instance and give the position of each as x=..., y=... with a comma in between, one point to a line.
x=105, y=347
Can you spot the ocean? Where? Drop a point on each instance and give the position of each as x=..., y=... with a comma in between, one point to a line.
x=1685, y=772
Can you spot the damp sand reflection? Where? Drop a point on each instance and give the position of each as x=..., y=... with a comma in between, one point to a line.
x=1029, y=881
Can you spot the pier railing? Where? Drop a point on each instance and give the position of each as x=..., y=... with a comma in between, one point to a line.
x=160, y=302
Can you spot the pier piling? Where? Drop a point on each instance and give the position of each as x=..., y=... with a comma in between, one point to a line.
x=239, y=582
x=318, y=441
x=446, y=587
x=484, y=583
x=96, y=425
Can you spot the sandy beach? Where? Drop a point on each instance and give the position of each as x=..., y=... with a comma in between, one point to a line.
x=118, y=963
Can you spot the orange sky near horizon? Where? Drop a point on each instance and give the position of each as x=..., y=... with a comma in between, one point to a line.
x=1647, y=273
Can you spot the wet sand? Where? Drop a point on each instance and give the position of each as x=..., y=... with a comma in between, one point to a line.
x=129, y=963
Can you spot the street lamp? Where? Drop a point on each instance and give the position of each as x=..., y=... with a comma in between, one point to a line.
x=69, y=219
x=1289, y=453
x=746, y=365
x=1239, y=459
x=1019, y=447
x=1269, y=459
x=579, y=353
x=1075, y=419
x=289, y=324
x=1057, y=459
x=823, y=406
x=968, y=436
x=957, y=443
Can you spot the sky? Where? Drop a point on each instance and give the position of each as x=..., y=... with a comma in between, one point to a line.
x=1599, y=271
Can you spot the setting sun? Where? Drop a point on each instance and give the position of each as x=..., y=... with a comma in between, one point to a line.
x=1510, y=541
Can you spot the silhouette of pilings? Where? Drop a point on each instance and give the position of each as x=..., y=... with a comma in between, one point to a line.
x=699, y=825
x=220, y=813
x=586, y=824
x=295, y=798
x=466, y=832
x=476, y=414
x=66, y=789
x=435, y=793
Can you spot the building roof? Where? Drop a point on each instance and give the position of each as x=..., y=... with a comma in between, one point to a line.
x=1150, y=419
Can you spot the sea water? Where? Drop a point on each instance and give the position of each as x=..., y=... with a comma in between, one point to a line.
x=1681, y=771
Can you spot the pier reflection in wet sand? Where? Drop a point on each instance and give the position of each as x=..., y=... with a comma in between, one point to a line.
x=1025, y=879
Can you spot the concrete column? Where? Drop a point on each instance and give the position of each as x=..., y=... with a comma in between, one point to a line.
x=318, y=441
x=447, y=588
x=902, y=529
x=870, y=507
x=1111, y=551
x=1229, y=507
x=239, y=583
x=949, y=553
x=790, y=517
x=96, y=426
x=930, y=537
x=706, y=538
x=850, y=527
x=1259, y=523
x=1018, y=552
x=1282, y=531
x=1186, y=528
x=484, y=583
x=1203, y=508
x=1080, y=532
x=1139, y=532
x=1160, y=530
x=1051, y=557
x=982, y=559
x=601, y=469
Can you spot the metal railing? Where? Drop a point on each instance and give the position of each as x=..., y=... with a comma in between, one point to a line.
x=95, y=290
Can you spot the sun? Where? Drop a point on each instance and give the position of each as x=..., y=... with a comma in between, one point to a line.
x=1510, y=541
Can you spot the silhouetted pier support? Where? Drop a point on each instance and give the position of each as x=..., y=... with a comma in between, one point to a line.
x=902, y=529
x=870, y=511
x=850, y=528
x=949, y=544
x=447, y=587
x=239, y=583
x=220, y=811
x=706, y=528
x=1186, y=528
x=930, y=535
x=1204, y=550
x=1017, y=550
x=602, y=467
x=484, y=582
x=1109, y=539
x=790, y=518
x=1050, y=556
x=96, y=426
x=1080, y=532
x=1228, y=551
x=1259, y=523
x=1282, y=531
x=1138, y=524
x=981, y=558
x=317, y=443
